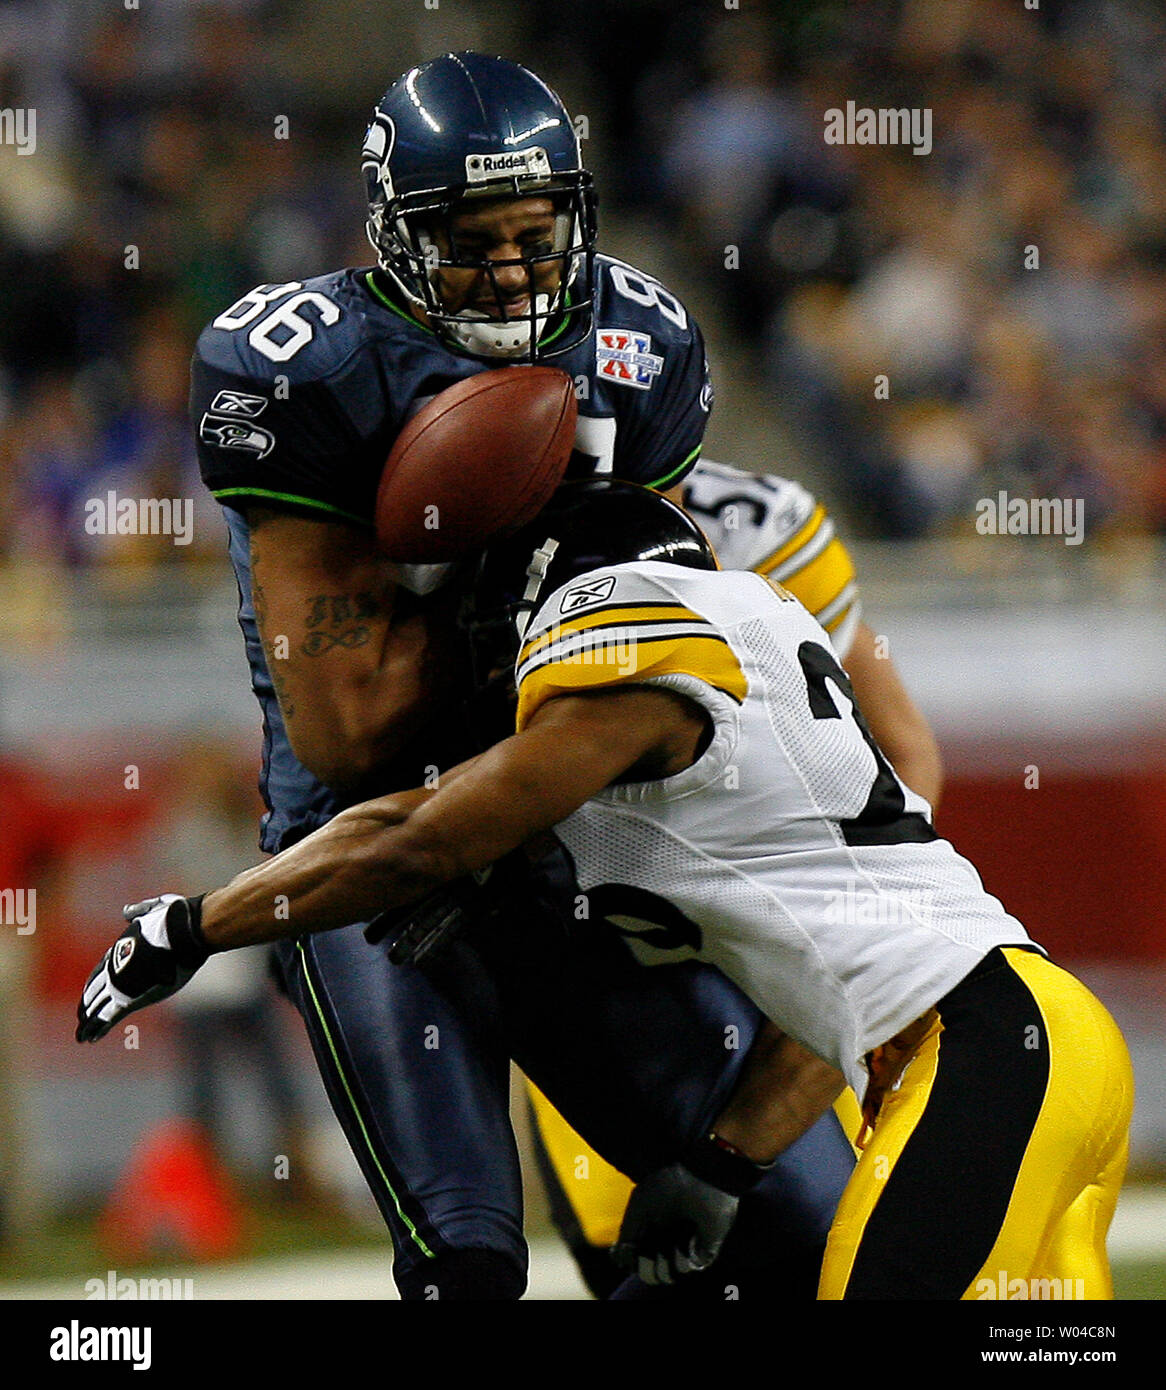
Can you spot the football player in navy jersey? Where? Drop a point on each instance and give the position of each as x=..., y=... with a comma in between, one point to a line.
x=483, y=221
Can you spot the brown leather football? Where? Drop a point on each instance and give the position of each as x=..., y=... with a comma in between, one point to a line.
x=479, y=460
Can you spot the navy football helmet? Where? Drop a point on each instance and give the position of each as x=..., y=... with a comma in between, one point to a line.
x=465, y=128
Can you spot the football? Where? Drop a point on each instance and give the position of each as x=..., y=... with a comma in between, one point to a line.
x=479, y=460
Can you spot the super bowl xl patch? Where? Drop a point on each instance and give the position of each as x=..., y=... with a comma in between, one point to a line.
x=622, y=354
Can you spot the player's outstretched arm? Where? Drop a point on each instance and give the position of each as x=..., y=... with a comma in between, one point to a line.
x=397, y=849
x=896, y=721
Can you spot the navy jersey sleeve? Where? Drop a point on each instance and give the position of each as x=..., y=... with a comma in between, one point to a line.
x=663, y=446
x=298, y=450
x=651, y=369
x=289, y=406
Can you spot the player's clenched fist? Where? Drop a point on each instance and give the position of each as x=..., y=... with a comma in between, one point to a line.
x=154, y=957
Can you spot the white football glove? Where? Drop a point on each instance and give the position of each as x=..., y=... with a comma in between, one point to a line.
x=158, y=952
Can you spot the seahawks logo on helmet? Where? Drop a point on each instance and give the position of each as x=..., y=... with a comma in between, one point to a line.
x=378, y=146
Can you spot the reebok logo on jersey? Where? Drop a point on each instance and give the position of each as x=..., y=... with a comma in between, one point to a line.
x=226, y=434
x=594, y=592
x=238, y=403
x=524, y=163
x=625, y=356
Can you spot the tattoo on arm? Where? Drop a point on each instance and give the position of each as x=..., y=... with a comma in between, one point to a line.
x=346, y=620
x=339, y=620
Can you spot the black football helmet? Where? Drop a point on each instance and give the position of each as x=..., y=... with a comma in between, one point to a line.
x=588, y=525
x=470, y=127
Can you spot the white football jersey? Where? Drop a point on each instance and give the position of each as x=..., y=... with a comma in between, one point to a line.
x=774, y=526
x=789, y=854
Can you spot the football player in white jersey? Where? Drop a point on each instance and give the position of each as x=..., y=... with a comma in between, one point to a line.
x=775, y=527
x=690, y=735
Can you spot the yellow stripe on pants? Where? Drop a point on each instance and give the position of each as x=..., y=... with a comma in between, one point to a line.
x=1051, y=1243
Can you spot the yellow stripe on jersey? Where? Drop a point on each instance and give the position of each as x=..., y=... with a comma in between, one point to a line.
x=795, y=543
x=841, y=610
x=849, y=1113
x=628, y=660
x=613, y=616
x=821, y=580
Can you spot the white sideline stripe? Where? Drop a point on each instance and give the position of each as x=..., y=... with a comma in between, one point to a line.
x=1138, y=1233
x=1139, y=1225
x=324, y=1275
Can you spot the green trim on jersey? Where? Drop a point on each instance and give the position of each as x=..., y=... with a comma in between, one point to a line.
x=289, y=497
x=680, y=467
x=425, y=1250
x=383, y=298
x=562, y=328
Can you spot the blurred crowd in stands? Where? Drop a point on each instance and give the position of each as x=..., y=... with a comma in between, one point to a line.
x=1010, y=285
